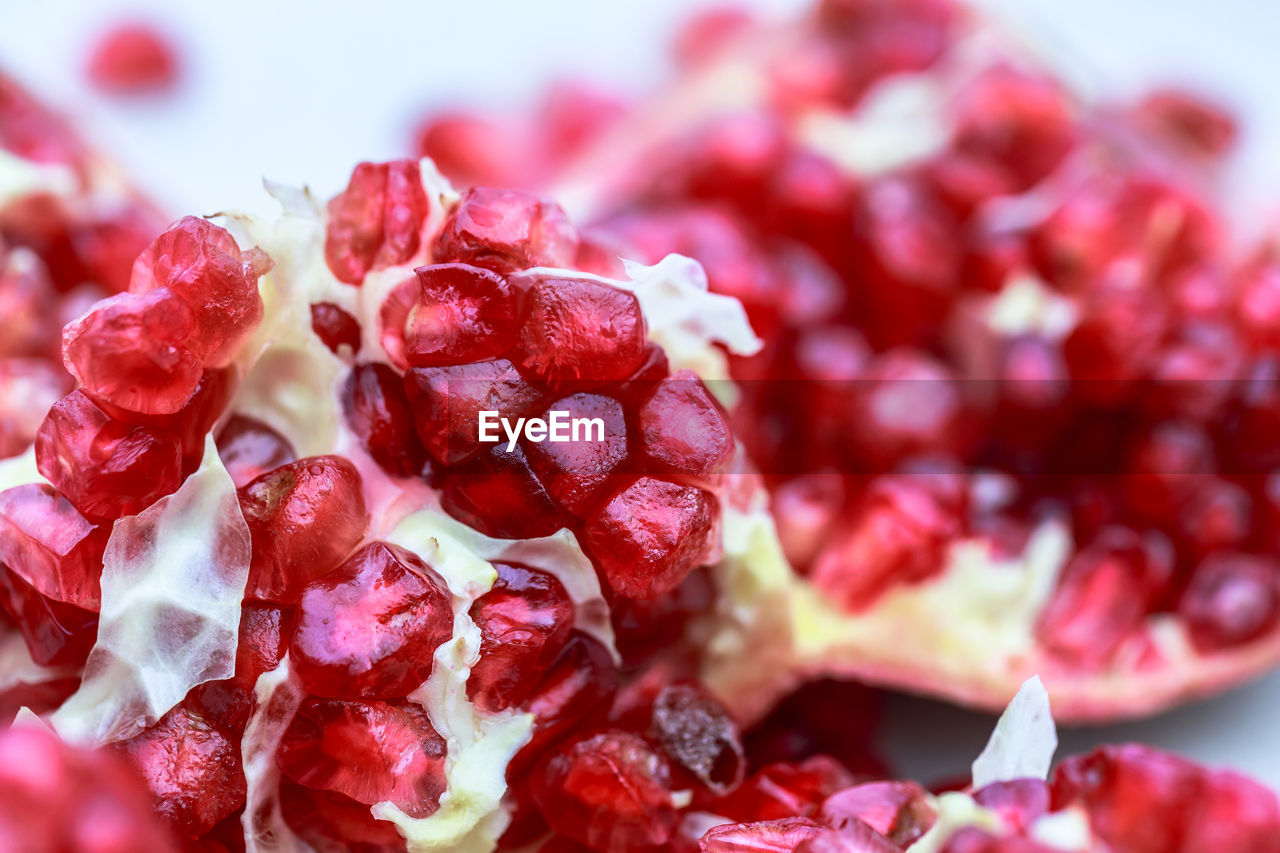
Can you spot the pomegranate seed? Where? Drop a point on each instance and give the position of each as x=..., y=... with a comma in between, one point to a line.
x=1103, y=595
x=524, y=622
x=899, y=535
x=650, y=535
x=911, y=404
x=376, y=221
x=506, y=230
x=108, y=469
x=824, y=717
x=130, y=351
x=577, y=687
x=377, y=410
x=578, y=329
x=192, y=768
x=371, y=626
x=577, y=472
x=51, y=546
x=1193, y=125
x=304, y=517
x=785, y=789
x=249, y=448
x=331, y=821
x=132, y=59
x=500, y=495
x=698, y=735
x=335, y=327
x=1167, y=465
x=1231, y=599
x=609, y=791
x=202, y=264
x=643, y=628
x=369, y=751
x=683, y=429
x=392, y=317
x=464, y=314
x=1218, y=516
x=57, y=634
x=769, y=836
x=1018, y=802
x=900, y=811
x=58, y=797
x=472, y=150
x=447, y=401
x=1020, y=120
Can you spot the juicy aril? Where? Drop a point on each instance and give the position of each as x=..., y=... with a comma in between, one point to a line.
x=1016, y=402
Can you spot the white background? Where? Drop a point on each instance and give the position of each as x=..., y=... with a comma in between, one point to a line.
x=299, y=91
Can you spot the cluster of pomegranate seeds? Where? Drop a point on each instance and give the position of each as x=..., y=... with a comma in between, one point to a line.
x=132, y=59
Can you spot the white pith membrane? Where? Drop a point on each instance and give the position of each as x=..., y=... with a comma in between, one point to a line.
x=967, y=634
x=138, y=670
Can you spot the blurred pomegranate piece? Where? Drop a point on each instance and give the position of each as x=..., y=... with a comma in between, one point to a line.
x=524, y=622
x=304, y=517
x=900, y=811
x=376, y=222
x=610, y=791
x=1231, y=598
x=56, y=797
x=650, y=535
x=768, y=836
x=464, y=314
x=1019, y=802
x=506, y=230
x=370, y=627
x=107, y=468
x=369, y=751
x=132, y=59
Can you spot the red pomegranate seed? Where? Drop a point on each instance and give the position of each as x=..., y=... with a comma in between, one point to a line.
x=132, y=59
x=335, y=327
x=642, y=628
x=1165, y=468
x=304, y=517
x=1018, y=119
x=249, y=448
x=446, y=403
x=683, y=429
x=369, y=751
x=506, y=230
x=51, y=546
x=57, y=634
x=192, y=768
x=707, y=32
x=910, y=404
x=1018, y=802
x=131, y=351
x=1218, y=516
x=786, y=789
x=1103, y=595
x=58, y=797
x=1231, y=599
x=524, y=622
x=610, y=791
x=500, y=495
x=576, y=472
x=900, y=811
x=202, y=264
x=472, y=149
x=697, y=734
x=463, y=314
x=371, y=626
x=650, y=535
x=769, y=836
x=376, y=222
x=108, y=469
x=1192, y=124
x=377, y=410
x=576, y=688
x=1121, y=787
x=576, y=329
x=899, y=535
x=264, y=630
x=331, y=821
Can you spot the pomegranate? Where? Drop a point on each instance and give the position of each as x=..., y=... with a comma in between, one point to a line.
x=1004, y=330
x=133, y=58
